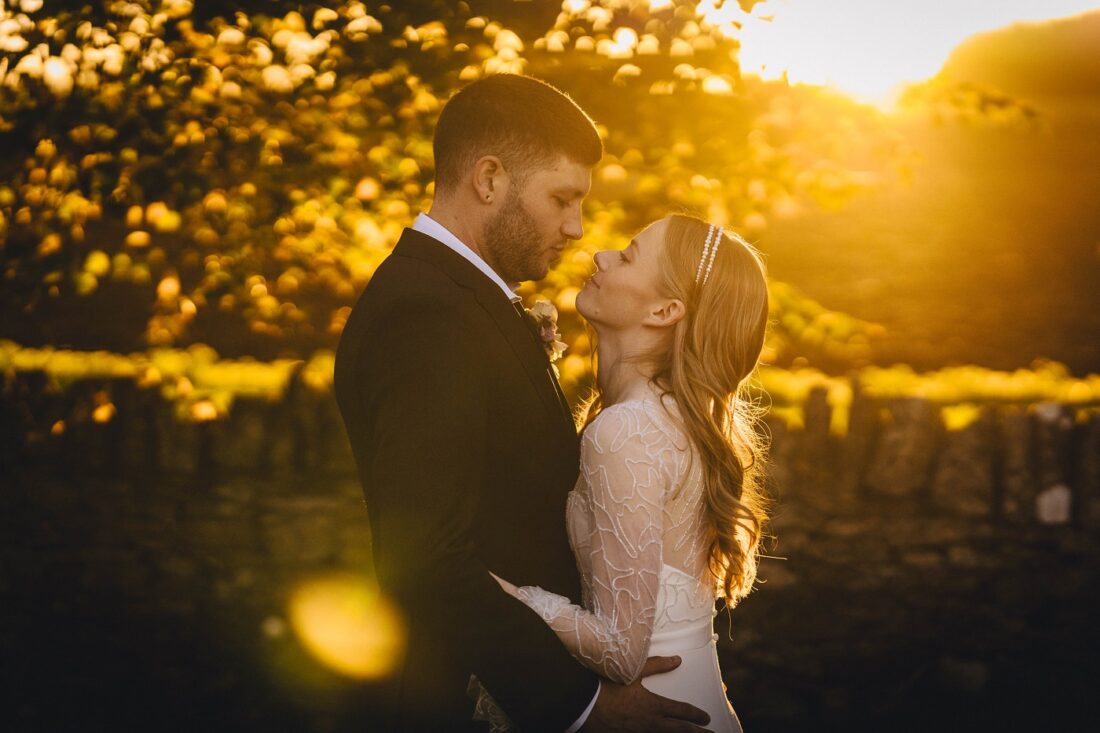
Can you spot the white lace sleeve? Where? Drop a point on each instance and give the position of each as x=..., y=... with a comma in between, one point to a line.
x=622, y=477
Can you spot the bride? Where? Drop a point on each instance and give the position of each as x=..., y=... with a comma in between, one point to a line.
x=667, y=513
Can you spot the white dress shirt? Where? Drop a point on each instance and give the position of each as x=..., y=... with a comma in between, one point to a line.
x=427, y=225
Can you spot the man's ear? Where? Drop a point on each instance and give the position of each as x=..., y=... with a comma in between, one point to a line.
x=666, y=314
x=490, y=179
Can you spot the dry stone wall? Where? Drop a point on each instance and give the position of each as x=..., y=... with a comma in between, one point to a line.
x=915, y=578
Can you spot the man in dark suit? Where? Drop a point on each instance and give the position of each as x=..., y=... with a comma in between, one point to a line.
x=464, y=443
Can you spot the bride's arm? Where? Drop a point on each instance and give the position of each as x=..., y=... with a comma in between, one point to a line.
x=626, y=490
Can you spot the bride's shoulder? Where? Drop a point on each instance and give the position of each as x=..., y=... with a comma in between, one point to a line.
x=613, y=426
x=649, y=421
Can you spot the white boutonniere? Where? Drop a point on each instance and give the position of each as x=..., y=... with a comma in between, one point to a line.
x=545, y=317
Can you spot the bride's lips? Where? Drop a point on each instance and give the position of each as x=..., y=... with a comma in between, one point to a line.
x=592, y=279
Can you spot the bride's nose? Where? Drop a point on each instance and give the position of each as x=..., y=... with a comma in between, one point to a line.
x=602, y=254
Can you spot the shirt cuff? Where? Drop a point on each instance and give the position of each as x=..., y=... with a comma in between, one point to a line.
x=587, y=711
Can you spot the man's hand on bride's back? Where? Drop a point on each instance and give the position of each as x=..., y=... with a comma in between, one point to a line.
x=632, y=708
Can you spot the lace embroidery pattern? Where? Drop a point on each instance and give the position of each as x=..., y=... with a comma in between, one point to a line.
x=636, y=508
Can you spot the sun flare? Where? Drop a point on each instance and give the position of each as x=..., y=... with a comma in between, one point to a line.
x=347, y=625
x=866, y=48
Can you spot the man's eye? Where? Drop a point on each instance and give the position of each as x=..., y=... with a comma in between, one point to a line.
x=561, y=202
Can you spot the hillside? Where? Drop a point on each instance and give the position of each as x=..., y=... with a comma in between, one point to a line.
x=991, y=254
x=1059, y=58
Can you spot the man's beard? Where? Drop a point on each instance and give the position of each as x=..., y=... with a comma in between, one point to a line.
x=513, y=242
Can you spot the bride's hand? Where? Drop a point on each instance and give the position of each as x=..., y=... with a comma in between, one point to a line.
x=508, y=587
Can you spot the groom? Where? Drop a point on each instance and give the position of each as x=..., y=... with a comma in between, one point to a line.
x=464, y=443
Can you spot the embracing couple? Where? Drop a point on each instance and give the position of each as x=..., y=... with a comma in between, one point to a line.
x=550, y=581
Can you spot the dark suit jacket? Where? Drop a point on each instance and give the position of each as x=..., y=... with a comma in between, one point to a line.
x=466, y=450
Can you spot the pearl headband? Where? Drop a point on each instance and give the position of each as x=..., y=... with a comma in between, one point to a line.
x=709, y=253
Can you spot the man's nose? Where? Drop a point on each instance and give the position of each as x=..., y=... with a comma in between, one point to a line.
x=572, y=227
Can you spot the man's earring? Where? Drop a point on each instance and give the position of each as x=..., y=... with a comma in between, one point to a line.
x=488, y=197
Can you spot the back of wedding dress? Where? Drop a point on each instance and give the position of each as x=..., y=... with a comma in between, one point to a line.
x=636, y=459
x=637, y=525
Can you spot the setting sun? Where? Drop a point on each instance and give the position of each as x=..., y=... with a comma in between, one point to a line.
x=866, y=48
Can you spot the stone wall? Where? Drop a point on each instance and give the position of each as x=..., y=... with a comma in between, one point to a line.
x=1014, y=462
x=915, y=579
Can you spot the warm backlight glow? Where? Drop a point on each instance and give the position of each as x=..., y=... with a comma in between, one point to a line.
x=347, y=625
x=867, y=48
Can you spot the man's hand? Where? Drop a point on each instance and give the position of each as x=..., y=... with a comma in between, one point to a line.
x=634, y=709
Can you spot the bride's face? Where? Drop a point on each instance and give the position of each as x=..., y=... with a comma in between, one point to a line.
x=624, y=289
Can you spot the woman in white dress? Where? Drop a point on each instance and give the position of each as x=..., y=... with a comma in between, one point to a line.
x=668, y=510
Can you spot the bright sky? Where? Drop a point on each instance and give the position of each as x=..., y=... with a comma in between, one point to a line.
x=868, y=47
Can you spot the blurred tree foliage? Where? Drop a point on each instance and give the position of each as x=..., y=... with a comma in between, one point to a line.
x=173, y=176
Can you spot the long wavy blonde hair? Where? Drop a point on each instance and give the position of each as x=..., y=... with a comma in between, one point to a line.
x=715, y=348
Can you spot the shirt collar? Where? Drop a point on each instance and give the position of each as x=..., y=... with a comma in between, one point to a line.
x=427, y=225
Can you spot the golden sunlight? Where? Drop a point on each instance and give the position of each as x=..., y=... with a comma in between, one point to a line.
x=347, y=625
x=866, y=48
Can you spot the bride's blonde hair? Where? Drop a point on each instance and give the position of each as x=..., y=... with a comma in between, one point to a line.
x=715, y=348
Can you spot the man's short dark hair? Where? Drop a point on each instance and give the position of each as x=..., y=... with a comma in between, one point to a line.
x=523, y=121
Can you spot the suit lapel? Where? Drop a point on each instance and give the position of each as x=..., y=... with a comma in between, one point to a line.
x=515, y=330
x=528, y=348
x=562, y=402
x=533, y=329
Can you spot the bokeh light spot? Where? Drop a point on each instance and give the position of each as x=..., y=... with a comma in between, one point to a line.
x=347, y=625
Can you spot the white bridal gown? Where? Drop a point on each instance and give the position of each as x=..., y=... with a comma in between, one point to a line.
x=637, y=527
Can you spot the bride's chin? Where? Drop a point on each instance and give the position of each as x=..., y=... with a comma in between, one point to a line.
x=581, y=304
x=591, y=317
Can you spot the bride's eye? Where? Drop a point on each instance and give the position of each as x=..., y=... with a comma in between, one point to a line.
x=622, y=256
